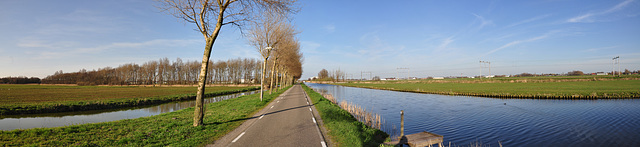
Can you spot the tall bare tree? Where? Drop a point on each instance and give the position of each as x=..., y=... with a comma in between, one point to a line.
x=265, y=35
x=209, y=16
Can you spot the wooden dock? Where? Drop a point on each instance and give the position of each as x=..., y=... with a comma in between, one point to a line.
x=419, y=140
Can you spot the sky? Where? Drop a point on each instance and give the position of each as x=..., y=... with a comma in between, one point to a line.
x=417, y=38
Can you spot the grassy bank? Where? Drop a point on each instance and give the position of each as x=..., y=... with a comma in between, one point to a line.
x=343, y=128
x=581, y=87
x=33, y=99
x=168, y=129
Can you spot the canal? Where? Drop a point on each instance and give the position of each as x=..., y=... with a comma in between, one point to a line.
x=12, y=122
x=512, y=122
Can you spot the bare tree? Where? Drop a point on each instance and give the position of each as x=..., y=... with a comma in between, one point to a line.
x=209, y=16
x=265, y=35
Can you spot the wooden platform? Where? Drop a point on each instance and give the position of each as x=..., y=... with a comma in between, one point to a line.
x=419, y=140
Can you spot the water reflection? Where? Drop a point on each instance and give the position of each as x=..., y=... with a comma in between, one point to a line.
x=11, y=122
x=513, y=122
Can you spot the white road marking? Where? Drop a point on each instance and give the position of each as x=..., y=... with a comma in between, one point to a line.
x=278, y=101
x=307, y=103
x=271, y=107
x=314, y=120
x=323, y=144
x=238, y=137
x=310, y=109
x=261, y=116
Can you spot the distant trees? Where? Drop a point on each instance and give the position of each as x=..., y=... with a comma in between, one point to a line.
x=162, y=72
x=575, y=73
x=19, y=80
x=323, y=74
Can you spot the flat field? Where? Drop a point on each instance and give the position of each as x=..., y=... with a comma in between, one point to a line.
x=167, y=129
x=518, y=87
x=34, y=99
x=28, y=94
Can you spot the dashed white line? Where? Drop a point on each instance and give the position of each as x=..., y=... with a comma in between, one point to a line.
x=271, y=107
x=310, y=109
x=238, y=137
x=314, y=120
x=323, y=144
x=278, y=101
x=261, y=116
x=307, y=103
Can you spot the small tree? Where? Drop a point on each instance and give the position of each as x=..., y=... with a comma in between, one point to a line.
x=575, y=73
x=323, y=74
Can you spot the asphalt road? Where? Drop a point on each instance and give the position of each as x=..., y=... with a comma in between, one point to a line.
x=287, y=121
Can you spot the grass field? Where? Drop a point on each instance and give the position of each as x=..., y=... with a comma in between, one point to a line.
x=343, y=128
x=567, y=87
x=168, y=129
x=29, y=99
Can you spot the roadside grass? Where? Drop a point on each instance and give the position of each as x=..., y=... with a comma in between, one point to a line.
x=546, y=90
x=343, y=128
x=33, y=99
x=168, y=129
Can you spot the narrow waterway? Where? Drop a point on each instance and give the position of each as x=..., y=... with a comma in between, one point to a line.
x=12, y=122
x=513, y=122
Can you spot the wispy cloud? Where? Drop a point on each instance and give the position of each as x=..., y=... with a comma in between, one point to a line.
x=483, y=22
x=600, y=48
x=529, y=20
x=587, y=18
x=330, y=28
x=512, y=43
x=72, y=49
x=445, y=42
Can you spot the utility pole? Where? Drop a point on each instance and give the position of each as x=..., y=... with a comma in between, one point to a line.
x=616, y=60
x=485, y=63
x=361, y=72
x=398, y=71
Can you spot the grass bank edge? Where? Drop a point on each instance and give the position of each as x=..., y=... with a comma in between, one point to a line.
x=167, y=129
x=55, y=107
x=498, y=94
x=344, y=129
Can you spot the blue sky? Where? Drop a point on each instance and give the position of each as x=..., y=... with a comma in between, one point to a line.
x=431, y=38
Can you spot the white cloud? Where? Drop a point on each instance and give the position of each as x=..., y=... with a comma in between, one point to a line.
x=512, y=43
x=445, y=42
x=330, y=28
x=587, y=18
x=529, y=20
x=483, y=22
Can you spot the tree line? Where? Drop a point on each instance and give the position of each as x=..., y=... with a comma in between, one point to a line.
x=163, y=72
x=19, y=80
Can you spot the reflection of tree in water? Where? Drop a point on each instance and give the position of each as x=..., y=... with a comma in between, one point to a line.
x=170, y=107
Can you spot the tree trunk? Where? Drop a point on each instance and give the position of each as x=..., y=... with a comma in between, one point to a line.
x=273, y=69
x=199, y=109
x=264, y=69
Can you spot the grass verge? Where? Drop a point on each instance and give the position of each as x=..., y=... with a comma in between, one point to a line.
x=343, y=128
x=34, y=99
x=168, y=129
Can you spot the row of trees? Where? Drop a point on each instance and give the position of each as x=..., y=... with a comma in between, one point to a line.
x=210, y=15
x=163, y=72
x=336, y=75
x=19, y=80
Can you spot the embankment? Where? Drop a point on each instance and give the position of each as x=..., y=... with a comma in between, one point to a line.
x=344, y=129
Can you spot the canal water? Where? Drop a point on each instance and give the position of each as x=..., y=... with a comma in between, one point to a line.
x=12, y=122
x=512, y=122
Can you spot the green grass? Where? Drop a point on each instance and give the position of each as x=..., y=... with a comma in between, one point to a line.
x=343, y=128
x=581, y=87
x=168, y=129
x=33, y=99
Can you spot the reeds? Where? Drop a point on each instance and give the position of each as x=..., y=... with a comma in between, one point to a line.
x=362, y=115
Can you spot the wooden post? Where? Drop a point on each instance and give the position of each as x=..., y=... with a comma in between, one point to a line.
x=401, y=123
